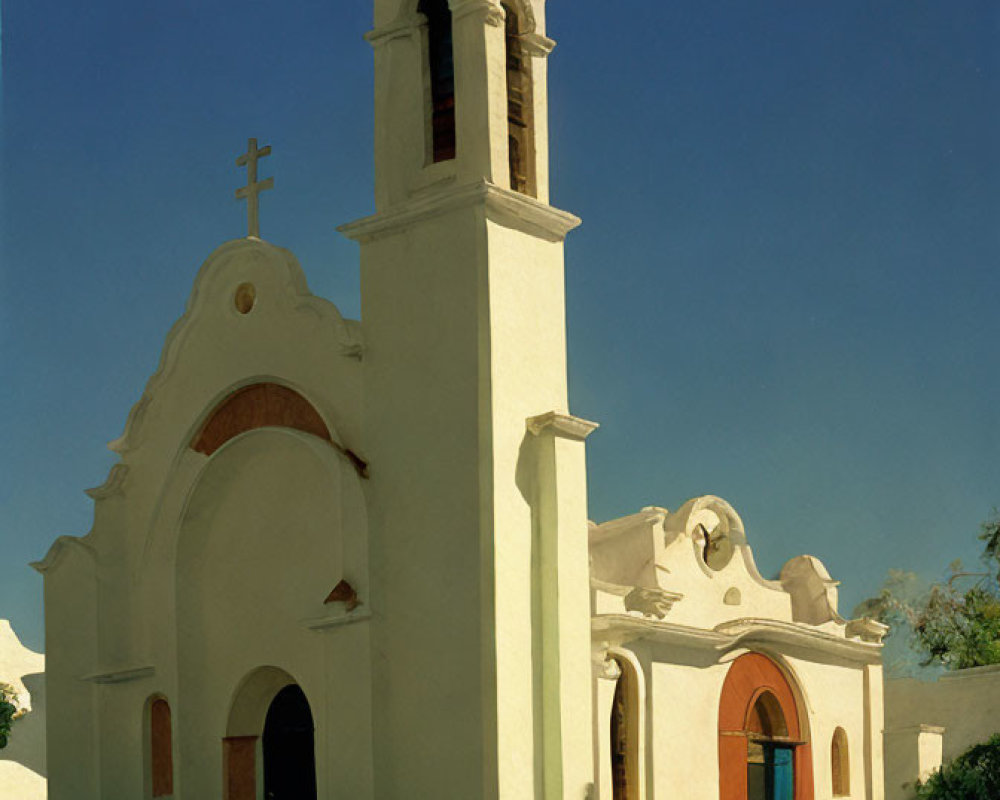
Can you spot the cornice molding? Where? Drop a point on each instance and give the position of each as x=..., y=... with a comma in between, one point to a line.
x=489, y=11
x=730, y=635
x=402, y=28
x=58, y=546
x=922, y=727
x=120, y=675
x=869, y=630
x=336, y=620
x=511, y=209
x=769, y=631
x=537, y=44
x=112, y=484
x=565, y=426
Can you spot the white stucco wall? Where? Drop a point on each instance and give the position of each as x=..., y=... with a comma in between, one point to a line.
x=200, y=569
x=940, y=718
x=683, y=689
x=22, y=761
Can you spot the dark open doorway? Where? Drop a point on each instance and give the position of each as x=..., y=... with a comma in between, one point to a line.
x=289, y=755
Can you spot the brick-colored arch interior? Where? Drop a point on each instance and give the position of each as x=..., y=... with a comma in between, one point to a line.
x=749, y=676
x=262, y=405
x=161, y=749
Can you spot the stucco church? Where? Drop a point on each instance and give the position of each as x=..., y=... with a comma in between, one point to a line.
x=352, y=559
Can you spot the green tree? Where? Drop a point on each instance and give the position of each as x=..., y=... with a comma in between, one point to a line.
x=8, y=712
x=956, y=622
x=974, y=775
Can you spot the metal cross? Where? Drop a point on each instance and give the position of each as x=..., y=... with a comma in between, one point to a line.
x=253, y=187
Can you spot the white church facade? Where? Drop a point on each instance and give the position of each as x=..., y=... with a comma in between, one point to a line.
x=352, y=559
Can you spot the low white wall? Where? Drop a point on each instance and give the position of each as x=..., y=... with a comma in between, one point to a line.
x=964, y=703
x=22, y=762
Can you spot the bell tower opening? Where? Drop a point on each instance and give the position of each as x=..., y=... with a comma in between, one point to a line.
x=520, y=138
x=440, y=72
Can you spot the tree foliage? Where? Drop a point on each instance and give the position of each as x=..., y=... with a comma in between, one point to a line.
x=956, y=623
x=8, y=712
x=974, y=775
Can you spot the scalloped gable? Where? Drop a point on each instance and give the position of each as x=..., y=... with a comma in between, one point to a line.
x=280, y=289
x=698, y=559
x=222, y=343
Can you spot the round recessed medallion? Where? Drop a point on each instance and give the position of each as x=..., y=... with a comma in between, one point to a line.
x=246, y=296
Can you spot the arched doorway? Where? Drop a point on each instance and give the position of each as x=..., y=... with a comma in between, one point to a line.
x=764, y=751
x=288, y=749
x=269, y=750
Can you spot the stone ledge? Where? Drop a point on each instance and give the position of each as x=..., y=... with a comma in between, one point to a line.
x=559, y=424
x=507, y=208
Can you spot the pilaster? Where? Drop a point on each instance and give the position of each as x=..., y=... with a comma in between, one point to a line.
x=564, y=582
x=480, y=91
x=874, y=724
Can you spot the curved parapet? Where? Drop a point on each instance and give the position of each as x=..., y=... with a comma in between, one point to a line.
x=695, y=567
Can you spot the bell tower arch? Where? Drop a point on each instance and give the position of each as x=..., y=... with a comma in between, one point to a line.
x=460, y=88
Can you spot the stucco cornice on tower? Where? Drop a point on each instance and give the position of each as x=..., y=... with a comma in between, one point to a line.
x=511, y=209
x=560, y=424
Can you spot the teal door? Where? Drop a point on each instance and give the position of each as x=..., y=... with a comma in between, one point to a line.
x=770, y=772
x=784, y=774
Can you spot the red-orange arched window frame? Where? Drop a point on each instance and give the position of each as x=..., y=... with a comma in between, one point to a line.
x=750, y=676
x=261, y=405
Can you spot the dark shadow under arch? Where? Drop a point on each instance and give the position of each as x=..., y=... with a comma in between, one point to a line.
x=288, y=747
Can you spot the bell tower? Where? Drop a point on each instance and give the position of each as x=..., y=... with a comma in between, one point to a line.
x=460, y=96
x=480, y=596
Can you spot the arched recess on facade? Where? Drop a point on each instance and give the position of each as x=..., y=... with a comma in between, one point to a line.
x=261, y=697
x=626, y=728
x=264, y=404
x=157, y=738
x=840, y=764
x=764, y=748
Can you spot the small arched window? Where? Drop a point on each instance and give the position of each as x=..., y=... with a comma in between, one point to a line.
x=519, y=117
x=161, y=757
x=840, y=766
x=624, y=735
x=441, y=74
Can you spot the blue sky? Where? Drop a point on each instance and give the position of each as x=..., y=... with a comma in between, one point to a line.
x=784, y=291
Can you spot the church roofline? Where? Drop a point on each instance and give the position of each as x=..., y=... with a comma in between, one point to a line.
x=293, y=281
x=51, y=558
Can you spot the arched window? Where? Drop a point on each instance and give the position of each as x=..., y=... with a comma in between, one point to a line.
x=625, y=735
x=840, y=766
x=161, y=757
x=441, y=74
x=519, y=118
